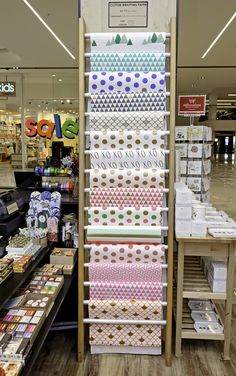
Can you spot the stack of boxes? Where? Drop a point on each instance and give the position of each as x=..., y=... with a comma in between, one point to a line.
x=193, y=146
x=216, y=272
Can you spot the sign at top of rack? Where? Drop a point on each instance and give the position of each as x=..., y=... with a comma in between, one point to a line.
x=192, y=105
x=127, y=14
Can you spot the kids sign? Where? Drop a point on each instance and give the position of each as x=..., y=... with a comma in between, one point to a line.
x=47, y=128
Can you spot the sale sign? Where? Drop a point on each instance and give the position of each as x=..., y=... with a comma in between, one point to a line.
x=192, y=105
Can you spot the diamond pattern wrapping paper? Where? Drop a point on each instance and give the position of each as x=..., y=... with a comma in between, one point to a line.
x=125, y=335
x=126, y=197
x=135, y=178
x=125, y=272
x=125, y=309
x=127, y=82
x=119, y=140
x=125, y=159
x=126, y=62
x=133, y=216
x=127, y=42
x=126, y=291
x=112, y=102
x=127, y=253
x=129, y=121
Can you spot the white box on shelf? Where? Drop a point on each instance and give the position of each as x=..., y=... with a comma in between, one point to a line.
x=182, y=148
x=198, y=212
x=183, y=227
x=181, y=133
x=199, y=229
x=195, y=167
x=195, y=150
x=216, y=285
x=183, y=212
x=218, y=270
x=183, y=196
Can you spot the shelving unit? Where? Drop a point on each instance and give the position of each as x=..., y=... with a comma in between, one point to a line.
x=84, y=190
x=192, y=283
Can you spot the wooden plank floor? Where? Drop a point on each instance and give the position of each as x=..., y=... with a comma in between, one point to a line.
x=200, y=358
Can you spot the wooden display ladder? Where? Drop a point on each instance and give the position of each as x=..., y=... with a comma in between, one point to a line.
x=83, y=195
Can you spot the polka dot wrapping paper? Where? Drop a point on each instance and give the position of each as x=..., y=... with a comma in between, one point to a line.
x=127, y=253
x=119, y=140
x=130, y=121
x=126, y=62
x=125, y=159
x=127, y=42
x=127, y=82
x=131, y=178
x=126, y=197
x=137, y=216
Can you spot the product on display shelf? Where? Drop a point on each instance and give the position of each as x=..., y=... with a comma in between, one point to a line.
x=70, y=231
x=205, y=317
x=10, y=368
x=63, y=256
x=45, y=285
x=6, y=268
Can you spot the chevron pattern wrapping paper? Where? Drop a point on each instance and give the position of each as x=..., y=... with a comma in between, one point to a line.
x=129, y=121
x=125, y=335
x=126, y=62
x=126, y=197
x=125, y=309
x=127, y=253
x=126, y=291
x=135, y=216
x=127, y=178
x=127, y=82
x=119, y=140
x=112, y=102
x=127, y=42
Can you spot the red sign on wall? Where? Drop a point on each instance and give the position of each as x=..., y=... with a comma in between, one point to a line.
x=192, y=105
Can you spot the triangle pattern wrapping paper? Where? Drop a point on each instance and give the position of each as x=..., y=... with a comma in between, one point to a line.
x=125, y=102
x=133, y=216
x=127, y=253
x=125, y=335
x=127, y=178
x=127, y=82
x=127, y=42
x=119, y=140
x=126, y=62
x=125, y=309
x=126, y=197
x=130, y=121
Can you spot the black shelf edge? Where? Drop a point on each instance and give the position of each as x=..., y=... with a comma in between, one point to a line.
x=15, y=280
x=39, y=341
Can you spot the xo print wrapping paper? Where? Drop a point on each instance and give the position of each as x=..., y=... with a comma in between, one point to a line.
x=125, y=102
x=127, y=253
x=125, y=335
x=126, y=62
x=134, y=216
x=130, y=121
x=127, y=178
x=125, y=159
x=125, y=309
x=119, y=140
x=125, y=273
x=126, y=291
x=127, y=82
x=126, y=197
x=128, y=42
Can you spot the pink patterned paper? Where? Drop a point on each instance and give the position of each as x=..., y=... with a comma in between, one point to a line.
x=126, y=197
x=127, y=253
x=126, y=291
x=125, y=272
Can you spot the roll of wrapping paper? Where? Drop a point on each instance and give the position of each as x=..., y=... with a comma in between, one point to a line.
x=126, y=291
x=123, y=273
x=129, y=121
x=119, y=140
x=112, y=102
x=127, y=178
x=133, y=216
x=126, y=62
x=125, y=309
x=127, y=42
x=127, y=253
x=126, y=197
x=127, y=82
x=125, y=159
x=125, y=335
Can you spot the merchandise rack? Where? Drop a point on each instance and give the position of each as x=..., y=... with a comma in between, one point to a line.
x=83, y=196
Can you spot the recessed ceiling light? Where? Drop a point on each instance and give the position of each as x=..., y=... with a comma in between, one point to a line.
x=48, y=28
x=219, y=35
x=232, y=95
x=54, y=100
x=60, y=80
x=53, y=75
x=68, y=101
x=39, y=105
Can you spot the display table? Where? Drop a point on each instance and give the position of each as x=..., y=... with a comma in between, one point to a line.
x=192, y=283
